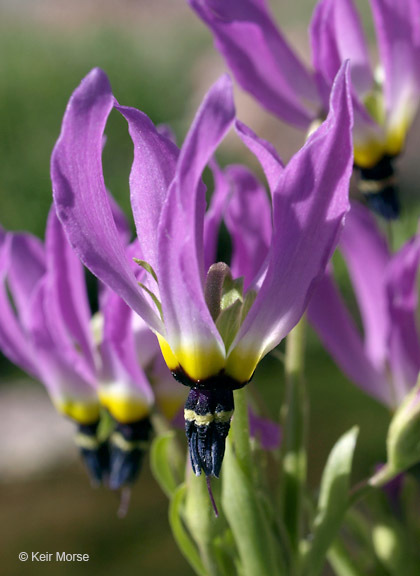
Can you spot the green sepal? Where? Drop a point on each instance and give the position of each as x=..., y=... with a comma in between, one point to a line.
x=146, y=266
x=259, y=551
x=161, y=465
x=332, y=503
x=182, y=537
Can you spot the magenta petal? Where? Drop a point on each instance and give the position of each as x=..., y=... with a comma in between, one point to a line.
x=329, y=316
x=366, y=255
x=264, y=152
x=397, y=28
x=13, y=339
x=68, y=308
x=80, y=196
x=181, y=271
x=266, y=431
x=404, y=343
x=153, y=169
x=214, y=214
x=308, y=209
x=248, y=219
x=337, y=35
x=260, y=58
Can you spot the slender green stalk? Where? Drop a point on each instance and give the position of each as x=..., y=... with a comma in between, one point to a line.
x=240, y=430
x=341, y=561
x=295, y=416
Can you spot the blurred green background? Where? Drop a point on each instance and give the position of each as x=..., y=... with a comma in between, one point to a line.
x=159, y=58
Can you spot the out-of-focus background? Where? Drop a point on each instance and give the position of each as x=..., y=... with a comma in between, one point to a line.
x=160, y=59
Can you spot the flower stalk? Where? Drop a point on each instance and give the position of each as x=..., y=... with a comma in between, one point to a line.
x=240, y=430
x=295, y=420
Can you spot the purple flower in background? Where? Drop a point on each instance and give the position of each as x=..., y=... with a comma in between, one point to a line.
x=46, y=328
x=385, y=100
x=385, y=360
x=211, y=331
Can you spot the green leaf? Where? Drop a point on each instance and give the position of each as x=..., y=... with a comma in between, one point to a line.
x=160, y=463
x=182, y=537
x=257, y=546
x=153, y=297
x=332, y=503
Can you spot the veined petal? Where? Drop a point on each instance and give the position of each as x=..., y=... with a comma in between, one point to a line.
x=260, y=58
x=403, y=337
x=397, y=26
x=124, y=388
x=214, y=214
x=152, y=172
x=192, y=336
x=68, y=306
x=336, y=36
x=366, y=255
x=26, y=268
x=309, y=205
x=13, y=339
x=80, y=196
x=264, y=151
x=330, y=317
x=248, y=219
x=72, y=391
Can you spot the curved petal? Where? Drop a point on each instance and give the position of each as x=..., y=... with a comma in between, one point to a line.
x=13, y=339
x=80, y=196
x=337, y=35
x=366, y=255
x=191, y=332
x=248, y=219
x=329, y=316
x=152, y=172
x=124, y=388
x=73, y=393
x=264, y=151
x=68, y=306
x=397, y=26
x=214, y=215
x=260, y=58
x=404, y=342
x=309, y=205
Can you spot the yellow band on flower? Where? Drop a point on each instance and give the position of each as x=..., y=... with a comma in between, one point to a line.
x=124, y=408
x=198, y=362
x=81, y=412
x=241, y=364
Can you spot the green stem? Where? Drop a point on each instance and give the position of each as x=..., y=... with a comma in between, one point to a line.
x=294, y=461
x=240, y=430
x=341, y=562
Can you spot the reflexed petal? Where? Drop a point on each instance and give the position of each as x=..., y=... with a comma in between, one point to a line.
x=308, y=209
x=248, y=219
x=334, y=325
x=80, y=196
x=68, y=308
x=13, y=340
x=260, y=58
x=337, y=35
x=397, y=25
x=153, y=169
x=214, y=214
x=264, y=152
x=266, y=431
x=366, y=255
x=124, y=388
x=191, y=333
x=404, y=343
x=26, y=268
x=72, y=391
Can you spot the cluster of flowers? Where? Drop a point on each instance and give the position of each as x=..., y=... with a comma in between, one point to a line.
x=164, y=299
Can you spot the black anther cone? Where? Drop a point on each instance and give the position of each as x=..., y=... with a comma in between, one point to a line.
x=384, y=202
x=126, y=462
x=206, y=441
x=96, y=460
